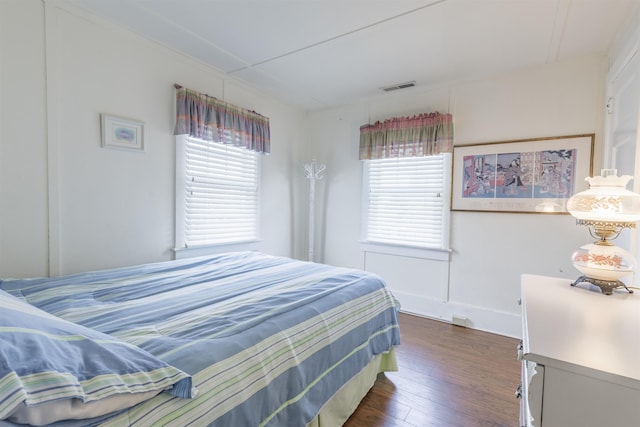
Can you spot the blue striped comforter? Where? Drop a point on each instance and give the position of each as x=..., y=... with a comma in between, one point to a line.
x=268, y=340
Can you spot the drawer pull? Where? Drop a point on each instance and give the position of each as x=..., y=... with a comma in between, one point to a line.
x=520, y=354
x=518, y=392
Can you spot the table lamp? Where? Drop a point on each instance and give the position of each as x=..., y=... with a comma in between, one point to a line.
x=606, y=208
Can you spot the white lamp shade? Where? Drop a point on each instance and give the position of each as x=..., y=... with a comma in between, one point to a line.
x=607, y=200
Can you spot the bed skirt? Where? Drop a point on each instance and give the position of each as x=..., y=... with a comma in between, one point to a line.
x=337, y=410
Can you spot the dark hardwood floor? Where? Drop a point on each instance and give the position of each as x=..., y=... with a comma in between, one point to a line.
x=448, y=376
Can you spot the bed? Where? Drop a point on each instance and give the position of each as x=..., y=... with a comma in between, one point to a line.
x=237, y=339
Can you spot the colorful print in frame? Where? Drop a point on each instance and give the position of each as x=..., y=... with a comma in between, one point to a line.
x=530, y=175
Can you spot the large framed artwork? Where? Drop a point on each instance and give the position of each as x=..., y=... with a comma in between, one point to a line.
x=527, y=175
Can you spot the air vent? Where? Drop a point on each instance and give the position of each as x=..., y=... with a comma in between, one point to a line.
x=399, y=86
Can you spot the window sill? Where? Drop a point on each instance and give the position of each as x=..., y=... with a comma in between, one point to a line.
x=407, y=251
x=181, y=253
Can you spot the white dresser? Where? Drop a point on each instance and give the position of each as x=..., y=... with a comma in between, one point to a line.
x=580, y=356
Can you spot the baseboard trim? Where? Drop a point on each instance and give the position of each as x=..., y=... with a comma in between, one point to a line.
x=481, y=318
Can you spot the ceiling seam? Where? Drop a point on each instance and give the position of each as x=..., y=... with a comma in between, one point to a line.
x=557, y=34
x=193, y=34
x=330, y=39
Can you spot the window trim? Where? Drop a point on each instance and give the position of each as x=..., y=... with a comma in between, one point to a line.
x=433, y=253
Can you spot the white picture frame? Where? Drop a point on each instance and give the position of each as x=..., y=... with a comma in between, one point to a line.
x=121, y=133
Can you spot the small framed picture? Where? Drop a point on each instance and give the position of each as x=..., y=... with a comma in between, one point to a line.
x=122, y=133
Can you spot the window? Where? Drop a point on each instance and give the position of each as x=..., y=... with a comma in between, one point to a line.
x=217, y=193
x=406, y=201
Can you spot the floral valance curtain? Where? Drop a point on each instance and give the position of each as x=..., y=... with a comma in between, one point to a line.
x=420, y=135
x=205, y=117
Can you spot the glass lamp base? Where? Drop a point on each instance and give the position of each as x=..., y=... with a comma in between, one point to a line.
x=606, y=286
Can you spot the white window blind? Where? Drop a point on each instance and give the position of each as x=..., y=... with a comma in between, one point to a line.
x=406, y=201
x=221, y=194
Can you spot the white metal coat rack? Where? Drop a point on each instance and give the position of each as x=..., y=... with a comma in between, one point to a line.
x=313, y=173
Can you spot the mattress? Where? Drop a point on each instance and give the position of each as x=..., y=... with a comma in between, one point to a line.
x=267, y=340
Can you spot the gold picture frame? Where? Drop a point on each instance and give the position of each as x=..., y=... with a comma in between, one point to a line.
x=521, y=176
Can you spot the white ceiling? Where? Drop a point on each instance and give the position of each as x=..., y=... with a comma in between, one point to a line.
x=323, y=53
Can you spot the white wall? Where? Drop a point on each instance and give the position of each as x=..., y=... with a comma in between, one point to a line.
x=489, y=250
x=23, y=160
x=107, y=207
